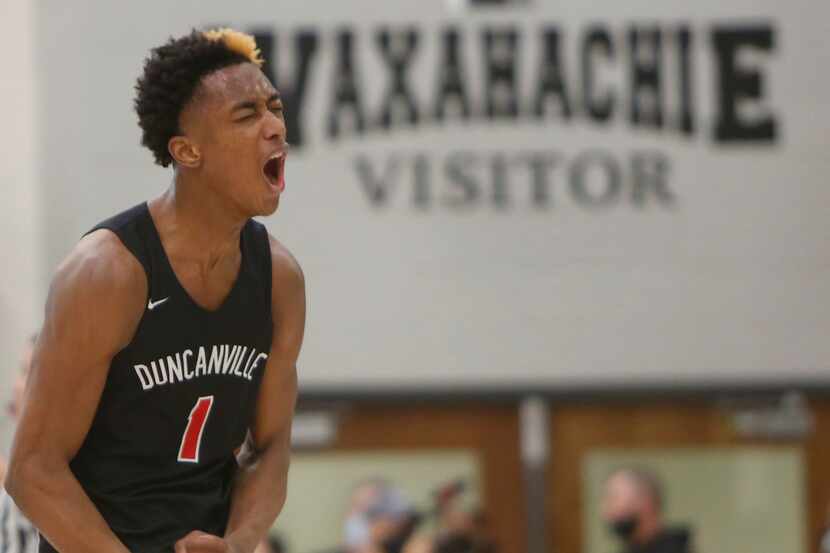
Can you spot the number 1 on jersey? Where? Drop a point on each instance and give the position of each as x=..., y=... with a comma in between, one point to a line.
x=192, y=439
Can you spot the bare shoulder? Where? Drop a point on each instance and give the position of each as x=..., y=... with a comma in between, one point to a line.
x=285, y=270
x=100, y=283
x=101, y=262
x=288, y=307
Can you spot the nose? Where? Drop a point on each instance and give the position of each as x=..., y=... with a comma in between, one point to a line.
x=273, y=127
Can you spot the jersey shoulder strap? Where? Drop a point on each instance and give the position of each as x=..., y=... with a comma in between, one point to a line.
x=131, y=227
x=258, y=253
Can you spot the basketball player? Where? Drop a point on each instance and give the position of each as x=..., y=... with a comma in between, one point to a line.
x=172, y=332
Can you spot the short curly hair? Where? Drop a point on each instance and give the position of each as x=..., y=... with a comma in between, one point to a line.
x=173, y=71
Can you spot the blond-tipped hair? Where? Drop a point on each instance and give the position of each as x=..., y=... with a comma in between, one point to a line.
x=236, y=41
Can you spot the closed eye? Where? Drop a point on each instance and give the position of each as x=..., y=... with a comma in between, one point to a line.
x=247, y=117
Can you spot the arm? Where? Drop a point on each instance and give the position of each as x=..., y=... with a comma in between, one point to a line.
x=260, y=491
x=94, y=305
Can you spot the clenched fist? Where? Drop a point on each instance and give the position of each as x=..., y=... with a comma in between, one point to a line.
x=202, y=542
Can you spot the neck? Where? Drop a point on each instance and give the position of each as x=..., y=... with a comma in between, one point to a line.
x=196, y=224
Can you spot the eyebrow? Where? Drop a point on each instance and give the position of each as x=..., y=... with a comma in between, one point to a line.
x=251, y=104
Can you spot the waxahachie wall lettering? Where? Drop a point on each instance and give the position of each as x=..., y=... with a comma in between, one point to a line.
x=654, y=95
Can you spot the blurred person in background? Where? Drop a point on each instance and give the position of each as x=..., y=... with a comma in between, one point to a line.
x=172, y=331
x=17, y=535
x=467, y=533
x=462, y=527
x=380, y=519
x=632, y=508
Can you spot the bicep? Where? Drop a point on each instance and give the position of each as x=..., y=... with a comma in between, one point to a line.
x=93, y=306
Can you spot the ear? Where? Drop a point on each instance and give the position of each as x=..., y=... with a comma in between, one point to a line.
x=184, y=152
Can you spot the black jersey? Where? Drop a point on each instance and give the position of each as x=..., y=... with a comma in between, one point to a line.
x=158, y=461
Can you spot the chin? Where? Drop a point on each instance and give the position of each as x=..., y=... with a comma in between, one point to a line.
x=269, y=207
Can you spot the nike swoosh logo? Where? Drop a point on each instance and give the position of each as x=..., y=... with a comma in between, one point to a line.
x=153, y=304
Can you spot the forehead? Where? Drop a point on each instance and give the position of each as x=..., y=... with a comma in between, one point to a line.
x=622, y=484
x=244, y=81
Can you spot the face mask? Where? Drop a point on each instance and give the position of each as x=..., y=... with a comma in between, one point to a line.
x=394, y=544
x=625, y=527
x=356, y=531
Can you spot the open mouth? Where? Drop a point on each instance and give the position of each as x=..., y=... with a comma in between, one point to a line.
x=274, y=171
